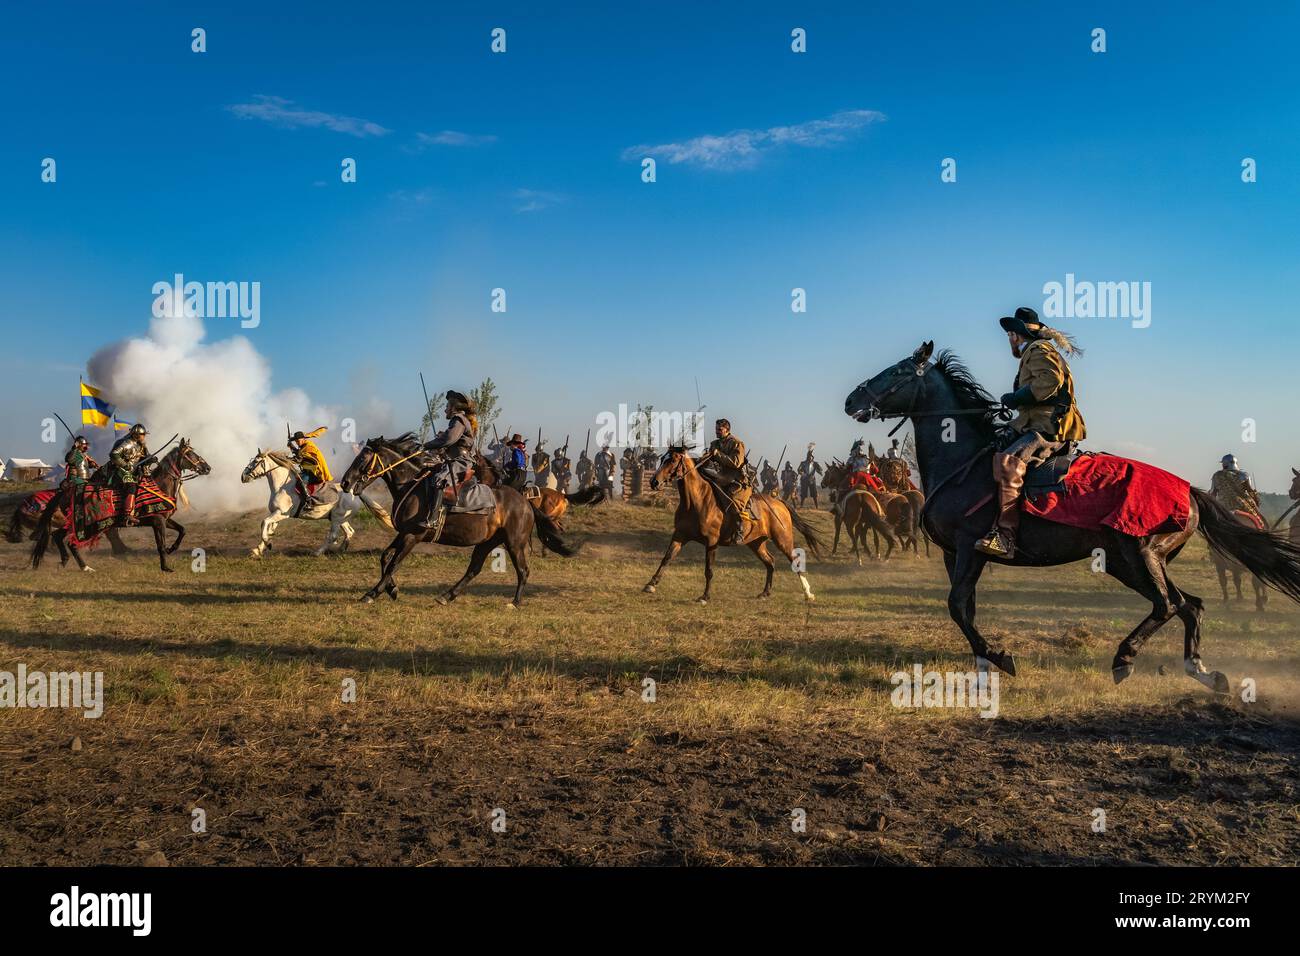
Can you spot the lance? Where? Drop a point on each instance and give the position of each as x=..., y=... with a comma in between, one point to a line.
x=428, y=405
x=782, y=458
x=587, y=447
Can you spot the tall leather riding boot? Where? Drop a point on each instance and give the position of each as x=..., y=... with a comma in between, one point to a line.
x=128, y=509
x=1009, y=473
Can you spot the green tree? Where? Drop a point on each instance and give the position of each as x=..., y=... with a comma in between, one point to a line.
x=489, y=408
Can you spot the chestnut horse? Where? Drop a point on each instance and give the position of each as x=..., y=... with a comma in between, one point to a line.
x=701, y=515
x=859, y=510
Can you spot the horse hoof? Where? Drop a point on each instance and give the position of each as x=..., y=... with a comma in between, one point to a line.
x=168, y=570
x=649, y=589
x=367, y=599
x=1221, y=685
x=89, y=568
x=1122, y=673
x=442, y=600
x=702, y=600
x=810, y=597
x=393, y=594
x=511, y=606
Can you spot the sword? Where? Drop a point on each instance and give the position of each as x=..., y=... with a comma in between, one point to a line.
x=1284, y=514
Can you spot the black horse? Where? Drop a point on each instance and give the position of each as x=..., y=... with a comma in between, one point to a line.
x=397, y=462
x=956, y=422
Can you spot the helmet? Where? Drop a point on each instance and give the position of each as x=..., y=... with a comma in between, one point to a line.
x=1229, y=461
x=138, y=431
x=80, y=442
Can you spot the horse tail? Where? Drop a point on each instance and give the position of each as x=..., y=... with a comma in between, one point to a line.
x=874, y=515
x=549, y=532
x=42, y=533
x=1268, y=555
x=588, y=496
x=808, y=531
x=379, y=511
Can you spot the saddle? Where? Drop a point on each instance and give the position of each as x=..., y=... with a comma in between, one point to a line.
x=452, y=492
x=1050, y=474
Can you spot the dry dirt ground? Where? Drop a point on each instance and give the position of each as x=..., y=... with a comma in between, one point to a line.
x=224, y=692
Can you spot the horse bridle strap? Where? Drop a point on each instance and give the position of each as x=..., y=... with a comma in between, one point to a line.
x=875, y=401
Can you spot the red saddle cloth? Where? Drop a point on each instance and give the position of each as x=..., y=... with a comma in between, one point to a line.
x=1129, y=496
x=865, y=479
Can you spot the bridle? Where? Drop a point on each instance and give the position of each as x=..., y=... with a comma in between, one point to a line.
x=179, y=463
x=874, y=400
x=374, y=459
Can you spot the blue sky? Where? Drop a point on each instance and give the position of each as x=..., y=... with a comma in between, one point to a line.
x=519, y=171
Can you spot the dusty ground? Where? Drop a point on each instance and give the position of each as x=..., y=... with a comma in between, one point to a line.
x=224, y=693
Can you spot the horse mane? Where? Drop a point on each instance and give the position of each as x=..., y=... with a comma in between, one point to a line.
x=969, y=393
x=403, y=442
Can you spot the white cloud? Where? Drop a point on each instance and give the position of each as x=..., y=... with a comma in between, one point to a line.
x=285, y=113
x=534, y=200
x=451, y=137
x=743, y=148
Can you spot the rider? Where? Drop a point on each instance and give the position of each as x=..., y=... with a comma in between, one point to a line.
x=1048, y=422
x=128, y=457
x=78, y=463
x=769, y=478
x=455, y=461
x=541, y=463
x=516, y=462
x=789, y=481
x=861, y=470
x=1235, y=489
x=310, y=469
x=724, y=464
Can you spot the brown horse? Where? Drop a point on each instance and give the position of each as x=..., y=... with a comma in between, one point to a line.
x=548, y=501
x=1225, y=565
x=859, y=510
x=896, y=475
x=166, y=478
x=701, y=516
x=509, y=525
x=27, y=517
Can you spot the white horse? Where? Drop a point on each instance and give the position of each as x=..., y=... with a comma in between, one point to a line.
x=334, y=503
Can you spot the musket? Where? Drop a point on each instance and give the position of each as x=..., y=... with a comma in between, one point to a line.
x=565, y=446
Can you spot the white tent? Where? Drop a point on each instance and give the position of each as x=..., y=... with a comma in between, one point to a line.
x=26, y=469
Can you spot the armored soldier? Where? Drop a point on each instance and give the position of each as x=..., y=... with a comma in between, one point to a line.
x=584, y=469
x=604, y=469
x=541, y=464
x=310, y=468
x=769, y=478
x=809, y=469
x=724, y=464
x=453, y=457
x=789, y=481
x=1234, y=488
x=1047, y=422
x=128, y=457
x=77, y=462
x=858, y=460
x=894, y=451
x=561, y=469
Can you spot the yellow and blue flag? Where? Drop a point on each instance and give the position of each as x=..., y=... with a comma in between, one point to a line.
x=94, y=410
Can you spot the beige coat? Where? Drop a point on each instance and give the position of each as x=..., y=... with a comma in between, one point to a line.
x=1054, y=414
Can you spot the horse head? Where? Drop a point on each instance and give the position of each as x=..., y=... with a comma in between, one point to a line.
x=674, y=464
x=251, y=471
x=893, y=391
x=189, y=459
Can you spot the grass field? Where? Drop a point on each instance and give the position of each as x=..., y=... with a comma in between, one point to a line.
x=224, y=693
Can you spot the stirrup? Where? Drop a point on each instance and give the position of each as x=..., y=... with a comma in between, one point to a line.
x=996, y=545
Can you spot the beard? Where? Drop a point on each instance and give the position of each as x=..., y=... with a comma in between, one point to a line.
x=1016, y=349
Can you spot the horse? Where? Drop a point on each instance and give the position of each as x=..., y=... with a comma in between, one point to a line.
x=956, y=425
x=1224, y=566
x=548, y=501
x=896, y=476
x=510, y=525
x=700, y=517
x=27, y=516
x=335, y=504
x=858, y=509
x=166, y=477
x=1294, y=495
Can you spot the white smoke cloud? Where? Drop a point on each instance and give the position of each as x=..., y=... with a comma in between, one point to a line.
x=220, y=396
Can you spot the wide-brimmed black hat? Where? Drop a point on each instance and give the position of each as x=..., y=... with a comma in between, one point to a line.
x=1025, y=322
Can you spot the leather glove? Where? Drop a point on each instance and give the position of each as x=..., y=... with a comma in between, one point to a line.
x=1024, y=395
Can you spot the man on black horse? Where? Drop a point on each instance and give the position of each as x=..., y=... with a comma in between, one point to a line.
x=453, y=460
x=1047, y=421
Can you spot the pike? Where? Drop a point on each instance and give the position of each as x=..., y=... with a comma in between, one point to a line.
x=782, y=458
x=587, y=447
x=428, y=405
